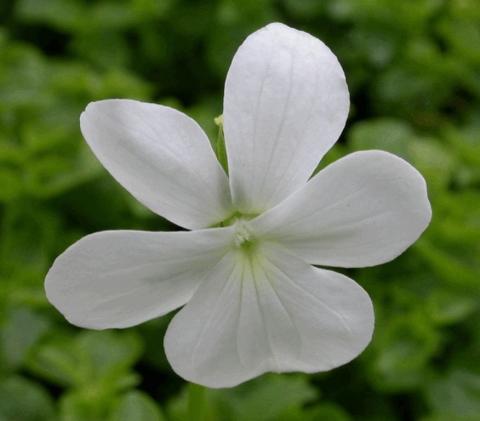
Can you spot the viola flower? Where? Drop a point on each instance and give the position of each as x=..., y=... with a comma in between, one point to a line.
x=246, y=271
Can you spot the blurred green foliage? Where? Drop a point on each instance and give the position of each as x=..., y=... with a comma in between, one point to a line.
x=413, y=68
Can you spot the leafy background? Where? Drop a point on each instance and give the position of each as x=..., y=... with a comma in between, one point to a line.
x=413, y=67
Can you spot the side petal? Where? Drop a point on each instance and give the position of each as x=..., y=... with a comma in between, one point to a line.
x=162, y=157
x=117, y=279
x=269, y=312
x=362, y=210
x=286, y=103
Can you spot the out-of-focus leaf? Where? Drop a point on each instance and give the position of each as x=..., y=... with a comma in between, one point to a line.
x=19, y=330
x=447, y=306
x=269, y=397
x=434, y=162
x=137, y=406
x=28, y=233
x=86, y=404
x=386, y=134
x=91, y=359
x=456, y=395
x=24, y=400
x=402, y=351
x=448, y=267
x=325, y=412
x=63, y=14
x=11, y=185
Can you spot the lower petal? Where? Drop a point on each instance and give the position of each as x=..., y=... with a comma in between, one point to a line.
x=117, y=279
x=268, y=311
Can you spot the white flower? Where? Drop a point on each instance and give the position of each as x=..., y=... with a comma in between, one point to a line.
x=254, y=300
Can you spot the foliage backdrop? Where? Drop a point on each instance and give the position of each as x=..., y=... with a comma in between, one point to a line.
x=413, y=68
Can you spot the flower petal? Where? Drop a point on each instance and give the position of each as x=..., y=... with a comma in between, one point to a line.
x=117, y=279
x=362, y=210
x=268, y=312
x=286, y=103
x=162, y=157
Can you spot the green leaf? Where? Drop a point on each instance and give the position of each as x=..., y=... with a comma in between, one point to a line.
x=91, y=359
x=447, y=306
x=24, y=400
x=402, y=352
x=457, y=395
x=326, y=412
x=11, y=185
x=268, y=397
x=28, y=233
x=20, y=329
x=434, y=161
x=387, y=134
x=137, y=406
x=85, y=404
x=63, y=14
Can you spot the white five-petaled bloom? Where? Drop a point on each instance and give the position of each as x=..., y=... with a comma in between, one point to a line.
x=254, y=300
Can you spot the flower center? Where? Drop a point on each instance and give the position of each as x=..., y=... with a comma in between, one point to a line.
x=242, y=233
x=243, y=236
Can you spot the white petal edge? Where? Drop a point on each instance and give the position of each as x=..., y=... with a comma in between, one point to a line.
x=286, y=102
x=117, y=279
x=273, y=313
x=162, y=157
x=363, y=210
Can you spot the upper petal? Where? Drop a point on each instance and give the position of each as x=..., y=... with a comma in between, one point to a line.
x=286, y=103
x=162, y=157
x=362, y=210
x=268, y=312
x=116, y=279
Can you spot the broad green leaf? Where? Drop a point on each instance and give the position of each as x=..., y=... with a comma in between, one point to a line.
x=24, y=400
x=391, y=135
x=402, y=352
x=90, y=359
x=270, y=396
x=456, y=395
x=137, y=406
x=19, y=330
